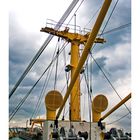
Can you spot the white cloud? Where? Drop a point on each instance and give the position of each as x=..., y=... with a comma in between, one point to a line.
x=31, y=15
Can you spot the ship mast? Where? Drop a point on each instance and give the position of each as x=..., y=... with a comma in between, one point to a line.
x=75, y=39
x=76, y=64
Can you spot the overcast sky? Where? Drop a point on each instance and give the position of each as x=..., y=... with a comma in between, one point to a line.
x=26, y=18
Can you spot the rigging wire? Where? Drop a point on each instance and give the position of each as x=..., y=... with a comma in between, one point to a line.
x=110, y=82
x=47, y=41
x=49, y=78
x=46, y=84
x=110, y=16
x=87, y=84
x=65, y=84
x=43, y=88
x=84, y=106
x=115, y=29
x=67, y=79
x=95, y=45
x=56, y=65
x=76, y=11
x=23, y=100
x=49, y=75
x=89, y=97
x=66, y=75
x=40, y=97
x=118, y=119
x=107, y=21
x=90, y=80
x=77, y=89
x=93, y=16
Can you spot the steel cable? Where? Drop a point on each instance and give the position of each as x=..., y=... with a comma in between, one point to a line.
x=110, y=16
x=118, y=119
x=110, y=82
x=115, y=29
x=39, y=108
x=23, y=100
x=41, y=94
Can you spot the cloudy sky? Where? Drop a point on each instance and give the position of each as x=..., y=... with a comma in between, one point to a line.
x=26, y=18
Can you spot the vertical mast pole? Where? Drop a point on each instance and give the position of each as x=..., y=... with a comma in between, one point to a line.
x=75, y=93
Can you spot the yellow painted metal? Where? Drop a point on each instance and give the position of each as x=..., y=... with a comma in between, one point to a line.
x=116, y=106
x=75, y=93
x=82, y=39
x=53, y=101
x=99, y=105
x=86, y=50
x=75, y=39
x=51, y=114
x=102, y=135
x=96, y=116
